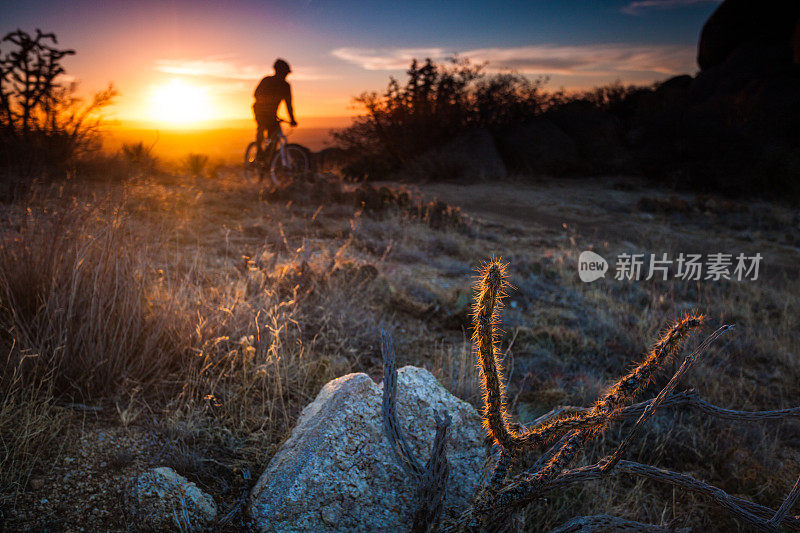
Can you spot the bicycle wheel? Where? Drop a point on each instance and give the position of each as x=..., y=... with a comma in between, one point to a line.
x=253, y=168
x=296, y=164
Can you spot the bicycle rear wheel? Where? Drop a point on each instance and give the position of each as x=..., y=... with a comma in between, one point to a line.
x=296, y=164
x=254, y=170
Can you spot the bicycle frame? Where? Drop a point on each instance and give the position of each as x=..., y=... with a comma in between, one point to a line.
x=278, y=140
x=281, y=139
x=276, y=155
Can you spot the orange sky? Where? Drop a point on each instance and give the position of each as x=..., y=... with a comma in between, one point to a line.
x=185, y=64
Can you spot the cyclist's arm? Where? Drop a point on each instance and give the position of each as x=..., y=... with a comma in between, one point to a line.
x=289, y=108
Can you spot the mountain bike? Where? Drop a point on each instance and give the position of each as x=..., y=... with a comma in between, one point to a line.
x=281, y=160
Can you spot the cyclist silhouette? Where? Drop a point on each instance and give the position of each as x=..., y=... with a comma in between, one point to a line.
x=269, y=94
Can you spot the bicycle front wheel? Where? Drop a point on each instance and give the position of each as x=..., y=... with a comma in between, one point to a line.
x=253, y=168
x=288, y=164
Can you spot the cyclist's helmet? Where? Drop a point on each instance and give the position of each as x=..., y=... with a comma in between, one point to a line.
x=281, y=67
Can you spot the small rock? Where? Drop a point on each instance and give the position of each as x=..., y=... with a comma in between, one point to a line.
x=161, y=499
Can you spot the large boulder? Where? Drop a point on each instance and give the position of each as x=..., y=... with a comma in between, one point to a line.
x=596, y=133
x=337, y=471
x=749, y=62
x=772, y=105
x=162, y=500
x=539, y=147
x=743, y=22
x=470, y=156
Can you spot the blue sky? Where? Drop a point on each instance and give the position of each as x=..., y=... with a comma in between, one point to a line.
x=340, y=48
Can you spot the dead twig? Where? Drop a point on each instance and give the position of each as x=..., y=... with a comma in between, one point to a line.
x=787, y=504
x=604, y=523
x=432, y=478
x=666, y=391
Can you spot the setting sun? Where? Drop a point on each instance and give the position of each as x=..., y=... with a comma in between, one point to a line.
x=179, y=104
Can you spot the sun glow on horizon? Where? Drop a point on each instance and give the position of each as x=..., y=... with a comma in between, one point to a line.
x=180, y=104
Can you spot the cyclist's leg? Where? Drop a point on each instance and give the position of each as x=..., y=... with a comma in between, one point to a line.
x=259, y=140
x=272, y=128
x=262, y=123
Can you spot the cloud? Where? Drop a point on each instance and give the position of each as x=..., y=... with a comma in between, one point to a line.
x=602, y=59
x=636, y=8
x=387, y=59
x=227, y=68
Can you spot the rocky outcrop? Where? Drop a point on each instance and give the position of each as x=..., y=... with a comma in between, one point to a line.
x=162, y=500
x=596, y=133
x=470, y=156
x=539, y=147
x=771, y=25
x=337, y=471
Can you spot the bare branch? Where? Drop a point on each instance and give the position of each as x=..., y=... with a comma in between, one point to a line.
x=689, y=398
x=391, y=427
x=752, y=513
x=692, y=399
x=666, y=391
x=433, y=485
x=787, y=504
x=603, y=523
x=432, y=480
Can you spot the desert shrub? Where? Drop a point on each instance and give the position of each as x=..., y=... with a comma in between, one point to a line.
x=442, y=103
x=44, y=125
x=437, y=102
x=139, y=158
x=613, y=97
x=102, y=166
x=76, y=307
x=733, y=145
x=195, y=164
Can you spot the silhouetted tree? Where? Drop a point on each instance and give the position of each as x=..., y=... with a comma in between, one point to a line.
x=43, y=124
x=437, y=102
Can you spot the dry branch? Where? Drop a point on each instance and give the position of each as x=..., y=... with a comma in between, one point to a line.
x=658, y=400
x=689, y=398
x=753, y=513
x=433, y=485
x=432, y=479
x=391, y=427
x=606, y=523
x=787, y=504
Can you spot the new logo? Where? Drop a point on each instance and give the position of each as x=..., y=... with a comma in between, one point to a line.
x=591, y=266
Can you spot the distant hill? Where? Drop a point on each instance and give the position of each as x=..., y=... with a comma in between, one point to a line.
x=222, y=140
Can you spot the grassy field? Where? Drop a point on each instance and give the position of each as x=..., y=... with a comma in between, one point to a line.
x=184, y=322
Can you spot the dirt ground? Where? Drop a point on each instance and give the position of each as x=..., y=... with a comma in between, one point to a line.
x=605, y=210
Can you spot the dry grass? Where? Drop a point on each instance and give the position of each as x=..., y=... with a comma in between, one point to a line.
x=30, y=428
x=74, y=308
x=200, y=316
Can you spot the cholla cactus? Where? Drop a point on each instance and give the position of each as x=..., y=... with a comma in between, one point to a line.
x=575, y=427
x=490, y=289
